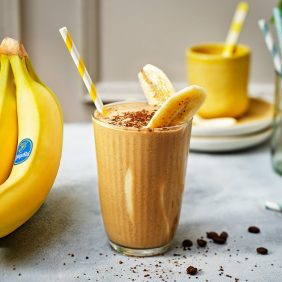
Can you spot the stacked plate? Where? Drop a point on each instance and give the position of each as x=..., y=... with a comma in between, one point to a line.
x=229, y=134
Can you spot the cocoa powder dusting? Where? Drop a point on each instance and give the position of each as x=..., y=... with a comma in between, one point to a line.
x=136, y=119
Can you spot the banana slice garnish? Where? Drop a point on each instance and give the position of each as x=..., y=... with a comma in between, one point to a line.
x=179, y=108
x=155, y=84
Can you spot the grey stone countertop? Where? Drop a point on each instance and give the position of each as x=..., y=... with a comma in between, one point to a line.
x=65, y=240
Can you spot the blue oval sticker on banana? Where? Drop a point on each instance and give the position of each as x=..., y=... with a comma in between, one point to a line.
x=24, y=151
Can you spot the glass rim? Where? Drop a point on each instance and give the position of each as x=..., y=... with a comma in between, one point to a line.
x=134, y=129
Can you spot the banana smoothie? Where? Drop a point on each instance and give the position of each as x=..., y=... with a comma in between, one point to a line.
x=141, y=176
x=142, y=152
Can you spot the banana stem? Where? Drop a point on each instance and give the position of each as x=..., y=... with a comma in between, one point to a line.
x=10, y=46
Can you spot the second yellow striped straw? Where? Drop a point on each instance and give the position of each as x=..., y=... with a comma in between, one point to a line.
x=235, y=28
x=82, y=69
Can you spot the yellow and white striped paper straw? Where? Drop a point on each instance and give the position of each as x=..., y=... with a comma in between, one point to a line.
x=235, y=28
x=82, y=69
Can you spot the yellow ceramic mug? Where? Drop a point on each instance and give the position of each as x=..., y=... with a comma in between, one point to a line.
x=225, y=78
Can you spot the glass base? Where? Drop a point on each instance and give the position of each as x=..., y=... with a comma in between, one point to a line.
x=140, y=252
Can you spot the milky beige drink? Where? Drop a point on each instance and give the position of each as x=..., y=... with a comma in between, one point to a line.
x=141, y=175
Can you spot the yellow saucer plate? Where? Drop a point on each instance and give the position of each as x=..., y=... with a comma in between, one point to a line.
x=258, y=117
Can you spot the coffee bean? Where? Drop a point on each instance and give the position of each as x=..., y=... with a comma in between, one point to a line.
x=187, y=243
x=262, y=251
x=212, y=234
x=219, y=240
x=253, y=229
x=192, y=270
x=223, y=235
x=201, y=243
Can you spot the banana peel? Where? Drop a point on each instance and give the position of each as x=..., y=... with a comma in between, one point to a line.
x=8, y=119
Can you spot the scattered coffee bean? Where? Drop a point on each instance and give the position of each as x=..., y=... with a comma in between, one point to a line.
x=187, y=243
x=253, y=229
x=201, y=243
x=262, y=251
x=224, y=235
x=192, y=270
x=219, y=240
x=212, y=234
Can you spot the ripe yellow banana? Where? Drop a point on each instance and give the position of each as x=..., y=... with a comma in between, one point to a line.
x=35, y=77
x=179, y=108
x=39, y=145
x=8, y=119
x=155, y=84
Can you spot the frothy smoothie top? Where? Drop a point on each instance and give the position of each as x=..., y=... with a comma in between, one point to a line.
x=130, y=115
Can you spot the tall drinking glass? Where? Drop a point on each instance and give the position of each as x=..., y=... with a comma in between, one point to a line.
x=141, y=177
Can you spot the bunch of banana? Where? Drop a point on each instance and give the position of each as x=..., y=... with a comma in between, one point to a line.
x=175, y=108
x=31, y=123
